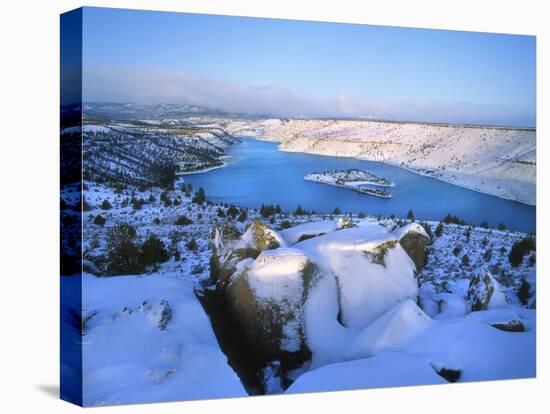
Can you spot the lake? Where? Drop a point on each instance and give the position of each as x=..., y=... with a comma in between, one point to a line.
x=258, y=173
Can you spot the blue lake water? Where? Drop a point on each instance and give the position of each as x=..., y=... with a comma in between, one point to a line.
x=259, y=173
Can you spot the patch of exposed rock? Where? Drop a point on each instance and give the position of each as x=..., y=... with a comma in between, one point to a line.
x=514, y=325
x=266, y=297
x=414, y=239
x=484, y=292
x=159, y=314
x=230, y=246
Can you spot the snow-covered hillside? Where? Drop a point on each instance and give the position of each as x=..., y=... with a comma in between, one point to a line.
x=149, y=152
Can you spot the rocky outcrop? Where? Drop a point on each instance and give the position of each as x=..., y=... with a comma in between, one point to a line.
x=514, y=325
x=282, y=299
x=224, y=259
x=266, y=298
x=484, y=292
x=159, y=314
x=259, y=237
x=230, y=246
x=414, y=239
x=480, y=290
x=377, y=253
x=451, y=375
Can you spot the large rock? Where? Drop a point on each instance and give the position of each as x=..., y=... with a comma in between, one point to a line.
x=414, y=239
x=230, y=246
x=266, y=298
x=292, y=303
x=484, y=293
x=224, y=259
x=373, y=272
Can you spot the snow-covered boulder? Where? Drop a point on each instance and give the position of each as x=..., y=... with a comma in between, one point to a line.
x=373, y=272
x=391, y=330
x=414, y=239
x=224, y=258
x=266, y=297
x=485, y=292
x=229, y=247
x=309, y=230
x=259, y=237
x=313, y=229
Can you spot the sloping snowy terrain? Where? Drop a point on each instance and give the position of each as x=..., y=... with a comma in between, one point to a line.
x=149, y=339
x=150, y=153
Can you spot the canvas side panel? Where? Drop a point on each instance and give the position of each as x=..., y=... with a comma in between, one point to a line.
x=71, y=207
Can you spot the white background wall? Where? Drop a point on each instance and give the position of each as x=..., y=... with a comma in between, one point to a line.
x=29, y=99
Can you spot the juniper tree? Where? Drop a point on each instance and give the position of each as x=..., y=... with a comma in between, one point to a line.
x=152, y=252
x=183, y=221
x=192, y=245
x=439, y=229
x=99, y=220
x=199, y=197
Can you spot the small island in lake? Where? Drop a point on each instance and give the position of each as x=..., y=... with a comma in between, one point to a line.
x=354, y=179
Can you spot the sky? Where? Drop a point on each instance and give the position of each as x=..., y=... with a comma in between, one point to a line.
x=288, y=68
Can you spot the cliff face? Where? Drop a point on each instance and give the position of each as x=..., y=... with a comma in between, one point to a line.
x=494, y=160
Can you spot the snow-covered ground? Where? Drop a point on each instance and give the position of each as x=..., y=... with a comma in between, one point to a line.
x=469, y=345
x=147, y=338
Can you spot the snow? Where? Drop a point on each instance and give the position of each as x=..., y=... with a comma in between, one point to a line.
x=390, y=330
x=498, y=298
x=411, y=228
x=277, y=274
x=366, y=289
x=147, y=338
x=407, y=349
x=351, y=178
x=249, y=238
x=276, y=277
x=326, y=337
x=481, y=351
x=314, y=228
x=389, y=369
x=451, y=306
x=95, y=128
x=128, y=358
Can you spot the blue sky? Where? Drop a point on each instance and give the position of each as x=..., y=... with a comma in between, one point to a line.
x=296, y=68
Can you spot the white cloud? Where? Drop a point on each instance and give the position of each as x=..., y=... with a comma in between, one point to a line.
x=151, y=86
